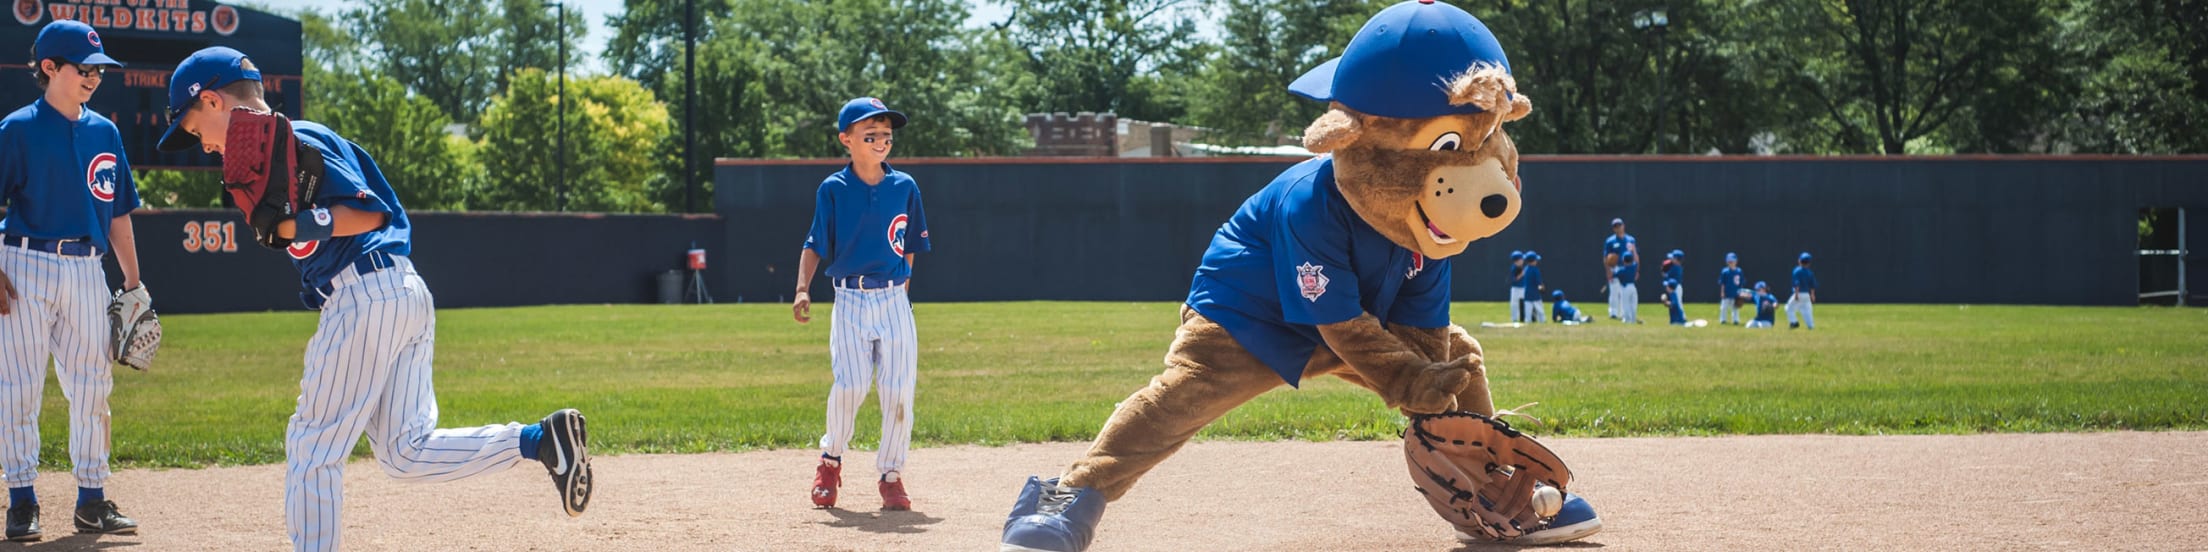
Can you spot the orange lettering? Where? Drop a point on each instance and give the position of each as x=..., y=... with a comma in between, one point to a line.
x=100, y=19
x=199, y=22
x=61, y=11
x=122, y=18
x=148, y=19
x=179, y=18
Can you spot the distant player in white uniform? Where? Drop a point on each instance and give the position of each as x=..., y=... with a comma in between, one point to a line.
x=1614, y=250
x=368, y=367
x=69, y=194
x=1730, y=286
x=1517, y=286
x=867, y=225
x=1805, y=295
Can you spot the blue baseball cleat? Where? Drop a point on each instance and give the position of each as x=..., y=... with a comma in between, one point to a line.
x=1052, y=518
x=1576, y=520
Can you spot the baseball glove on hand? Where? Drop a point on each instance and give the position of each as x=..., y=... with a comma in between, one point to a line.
x=1482, y=476
x=270, y=177
x=135, y=332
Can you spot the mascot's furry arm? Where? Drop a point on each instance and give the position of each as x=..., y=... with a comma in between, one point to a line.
x=1406, y=372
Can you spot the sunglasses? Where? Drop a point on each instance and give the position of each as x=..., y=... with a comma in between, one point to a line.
x=90, y=71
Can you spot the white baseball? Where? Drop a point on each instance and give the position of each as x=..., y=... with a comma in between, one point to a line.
x=1547, y=501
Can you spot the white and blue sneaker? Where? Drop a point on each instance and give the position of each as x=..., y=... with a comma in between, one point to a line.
x=1052, y=518
x=1576, y=520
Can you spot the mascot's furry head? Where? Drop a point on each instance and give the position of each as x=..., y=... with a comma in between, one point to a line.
x=1419, y=98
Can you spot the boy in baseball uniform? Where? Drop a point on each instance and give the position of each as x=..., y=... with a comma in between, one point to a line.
x=1533, y=286
x=1766, y=307
x=1517, y=286
x=1629, y=296
x=1728, y=281
x=69, y=194
x=1805, y=294
x=368, y=366
x=867, y=226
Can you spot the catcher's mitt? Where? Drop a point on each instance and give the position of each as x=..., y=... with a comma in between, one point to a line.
x=1481, y=475
x=135, y=333
x=269, y=175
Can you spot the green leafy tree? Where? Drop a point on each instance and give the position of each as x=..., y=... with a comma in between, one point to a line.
x=404, y=132
x=171, y=189
x=459, y=53
x=1105, y=55
x=614, y=162
x=2142, y=77
x=1241, y=92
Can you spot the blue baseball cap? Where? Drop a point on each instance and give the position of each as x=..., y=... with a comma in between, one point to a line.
x=207, y=69
x=1400, y=64
x=1759, y=285
x=1557, y=295
x=1516, y=255
x=861, y=109
x=1625, y=257
x=1676, y=254
x=1729, y=257
x=71, y=40
x=1532, y=256
x=1805, y=256
x=1617, y=222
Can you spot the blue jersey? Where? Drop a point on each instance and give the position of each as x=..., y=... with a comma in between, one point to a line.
x=867, y=230
x=1617, y=245
x=1766, y=306
x=1730, y=279
x=1675, y=272
x=1564, y=311
x=1804, y=280
x=1295, y=257
x=62, y=179
x=1626, y=273
x=350, y=178
x=1532, y=281
x=1517, y=275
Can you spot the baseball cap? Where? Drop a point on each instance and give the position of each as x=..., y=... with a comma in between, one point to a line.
x=1759, y=285
x=1616, y=222
x=861, y=109
x=1677, y=254
x=207, y=69
x=71, y=40
x=1557, y=295
x=1730, y=257
x=1625, y=257
x=1805, y=256
x=1400, y=63
x=1532, y=256
x=1516, y=255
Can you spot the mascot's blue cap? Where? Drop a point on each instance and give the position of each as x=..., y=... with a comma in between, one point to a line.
x=1400, y=64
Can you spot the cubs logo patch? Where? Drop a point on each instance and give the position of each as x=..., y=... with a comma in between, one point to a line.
x=1418, y=264
x=876, y=103
x=100, y=176
x=897, y=234
x=1312, y=279
x=322, y=217
x=302, y=250
x=92, y=37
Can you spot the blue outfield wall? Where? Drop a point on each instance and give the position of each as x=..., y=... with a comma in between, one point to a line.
x=1959, y=229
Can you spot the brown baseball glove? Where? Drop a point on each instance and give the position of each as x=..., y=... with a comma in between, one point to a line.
x=1483, y=476
x=270, y=177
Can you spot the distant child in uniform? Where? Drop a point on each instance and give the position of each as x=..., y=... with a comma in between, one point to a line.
x=867, y=225
x=1671, y=302
x=1629, y=295
x=1766, y=307
x=368, y=367
x=1565, y=312
x=1805, y=293
x=1518, y=286
x=1728, y=280
x=1533, y=287
x=1675, y=270
x=69, y=194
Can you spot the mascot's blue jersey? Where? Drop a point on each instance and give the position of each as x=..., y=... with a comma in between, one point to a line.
x=1295, y=257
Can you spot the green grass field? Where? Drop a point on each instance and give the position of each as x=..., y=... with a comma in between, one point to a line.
x=735, y=377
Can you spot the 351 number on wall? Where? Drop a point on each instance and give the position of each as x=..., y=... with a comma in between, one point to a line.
x=210, y=237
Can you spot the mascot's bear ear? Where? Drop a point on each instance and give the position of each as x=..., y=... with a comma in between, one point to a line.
x=1337, y=129
x=1492, y=89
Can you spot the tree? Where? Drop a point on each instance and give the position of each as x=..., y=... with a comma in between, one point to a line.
x=171, y=189
x=1095, y=55
x=1889, y=76
x=1242, y=90
x=404, y=132
x=459, y=53
x=2142, y=77
x=614, y=130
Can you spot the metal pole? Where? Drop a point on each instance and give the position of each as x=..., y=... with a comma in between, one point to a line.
x=690, y=106
x=561, y=8
x=1661, y=84
x=2182, y=252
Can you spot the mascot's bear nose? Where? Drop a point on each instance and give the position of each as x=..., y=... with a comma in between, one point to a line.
x=1494, y=205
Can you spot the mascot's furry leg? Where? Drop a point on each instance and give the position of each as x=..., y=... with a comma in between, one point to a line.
x=1206, y=375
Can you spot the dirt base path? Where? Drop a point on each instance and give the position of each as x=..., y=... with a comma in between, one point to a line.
x=2100, y=491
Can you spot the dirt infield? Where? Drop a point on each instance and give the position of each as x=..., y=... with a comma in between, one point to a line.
x=2101, y=491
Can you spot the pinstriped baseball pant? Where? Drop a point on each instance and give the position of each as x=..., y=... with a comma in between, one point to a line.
x=61, y=312
x=368, y=371
x=872, y=342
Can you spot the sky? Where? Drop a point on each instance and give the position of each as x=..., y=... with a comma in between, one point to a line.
x=594, y=13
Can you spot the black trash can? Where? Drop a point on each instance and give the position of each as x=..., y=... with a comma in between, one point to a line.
x=670, y=287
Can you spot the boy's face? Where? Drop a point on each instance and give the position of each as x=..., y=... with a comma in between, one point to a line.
x=69, y=82
x=868, y=140
x=1732, y=264
x=209, y=121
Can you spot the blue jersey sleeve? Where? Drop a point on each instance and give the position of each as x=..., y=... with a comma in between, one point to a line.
x=916, y=230
x=824, y=208
x=342, y=182
x=1311, y=265
x=11, y=166
x=126, y=186
x=1424, y=302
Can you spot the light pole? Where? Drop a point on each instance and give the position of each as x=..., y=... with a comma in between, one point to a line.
x=560, y=189
x=1656, y=21
x=690, y=106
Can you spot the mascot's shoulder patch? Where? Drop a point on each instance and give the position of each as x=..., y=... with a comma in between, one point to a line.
x=1312, y=278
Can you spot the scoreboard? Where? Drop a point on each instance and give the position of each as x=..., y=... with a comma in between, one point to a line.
x=151, y=37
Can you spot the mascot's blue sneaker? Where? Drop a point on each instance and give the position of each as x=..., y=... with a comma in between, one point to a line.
x=1051, y=518
x=1575, y=521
